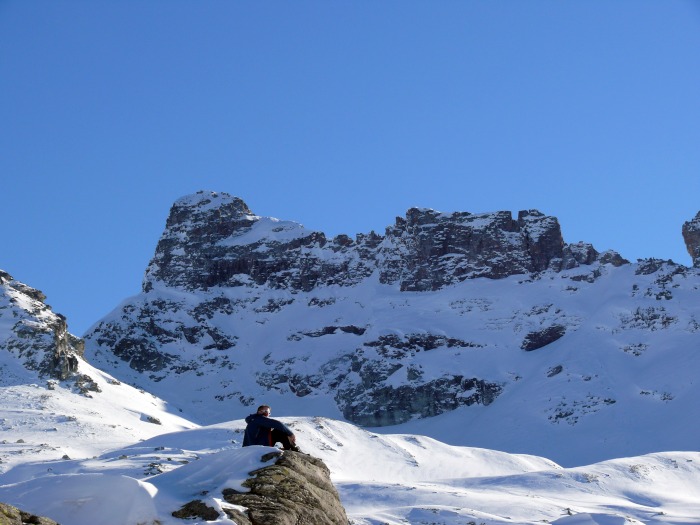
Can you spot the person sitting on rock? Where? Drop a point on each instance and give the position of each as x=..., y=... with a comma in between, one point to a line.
x=261, y=429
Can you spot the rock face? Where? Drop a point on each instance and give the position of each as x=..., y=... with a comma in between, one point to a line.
x=10, y=515
x=691, y=235
x=296, y=489
x=34, y=334
x=213, y=239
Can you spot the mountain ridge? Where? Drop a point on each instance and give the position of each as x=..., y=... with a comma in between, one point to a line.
x=214, y=239
x=401, y=328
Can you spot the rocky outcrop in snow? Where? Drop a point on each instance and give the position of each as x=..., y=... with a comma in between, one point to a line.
x=10, y=515
x=691, y=235
x=33, y=333
x=297, y=488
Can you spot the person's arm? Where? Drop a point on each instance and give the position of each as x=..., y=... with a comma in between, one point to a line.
x=268, y=422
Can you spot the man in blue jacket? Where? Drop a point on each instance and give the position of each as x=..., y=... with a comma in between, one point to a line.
x=263, y=430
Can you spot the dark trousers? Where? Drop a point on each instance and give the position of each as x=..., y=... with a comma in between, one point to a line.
x=277, y=436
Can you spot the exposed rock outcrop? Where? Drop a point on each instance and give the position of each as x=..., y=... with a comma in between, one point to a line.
x=296, y=489
x=375, y=406
x=38, y=336
x=213, y=239
x=691, y=236
x=197, y=509
x=541, y=338
x=10, y=515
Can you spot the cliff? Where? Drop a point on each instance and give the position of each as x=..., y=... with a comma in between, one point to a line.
x=691, y=235
x=34, y=334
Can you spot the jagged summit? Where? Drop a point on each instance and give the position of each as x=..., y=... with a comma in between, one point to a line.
x=201, y=231
x=205, y=207
x=213, y=239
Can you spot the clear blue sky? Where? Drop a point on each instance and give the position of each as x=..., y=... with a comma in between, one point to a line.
x=338, y=115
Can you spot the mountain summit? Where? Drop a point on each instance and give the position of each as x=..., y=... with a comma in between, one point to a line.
x=213, y=239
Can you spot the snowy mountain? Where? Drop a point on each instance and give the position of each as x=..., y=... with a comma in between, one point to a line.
x=475, y=329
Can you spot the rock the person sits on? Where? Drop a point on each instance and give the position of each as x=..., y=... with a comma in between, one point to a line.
x=261, y=429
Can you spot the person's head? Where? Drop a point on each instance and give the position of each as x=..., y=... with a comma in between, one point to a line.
x=264, y=410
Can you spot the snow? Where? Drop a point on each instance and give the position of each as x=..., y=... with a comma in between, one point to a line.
x=267, y=230
x=204, y=200
x=50, y=419
x=382, y=479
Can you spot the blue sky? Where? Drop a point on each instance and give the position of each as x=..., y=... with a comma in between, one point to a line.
x=338, y=115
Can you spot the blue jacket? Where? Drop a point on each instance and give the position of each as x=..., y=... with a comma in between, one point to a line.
x=259, y=430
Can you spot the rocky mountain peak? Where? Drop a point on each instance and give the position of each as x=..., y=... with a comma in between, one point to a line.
x=691, y=236
x=204, y=208
x=195, y=225
x=430, y=249
x=213, y=239
x=34, y=334
x=297, y=488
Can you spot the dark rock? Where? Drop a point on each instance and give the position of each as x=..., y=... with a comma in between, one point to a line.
x=63, y=361
x=32, y=293
x=429, y=249
x=237, y=516
x=691, y=236
x=10, y=515
x=213, y=239
x=541, y=338
x=555, y=370
x=389, y=405
x=394, y=346
x=85, y=384
x=650, y=318
x=649, y=266
x=196, y=509
x=295, y=490
x=613, y=258
x=39, y=337
x=330, y=330
x=577, y=254
x=141, y=353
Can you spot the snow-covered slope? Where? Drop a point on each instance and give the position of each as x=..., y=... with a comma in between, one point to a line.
x=475, y=329
x=52, y=402
x=382, y=479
